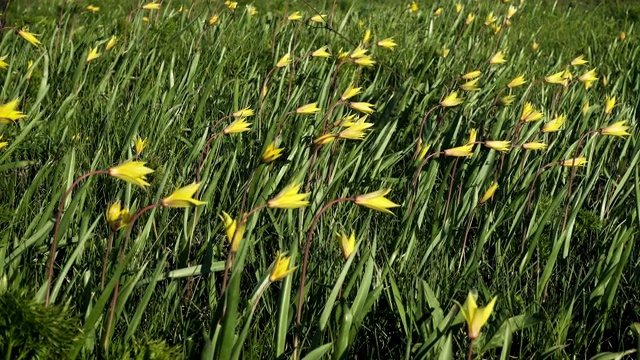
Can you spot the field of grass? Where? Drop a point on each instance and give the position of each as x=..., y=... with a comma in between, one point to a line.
x=487, y=153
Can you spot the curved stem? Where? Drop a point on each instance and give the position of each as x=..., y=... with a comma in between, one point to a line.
x=54, y=242
x=466, y=234
x=417, y=174
x=328, y=115
x=305, y=262
x=424, y=120
x=123, y=250
x=264, y=84
x=470, y=354
x=205, y=152
x=572, y=177
x=281, y=120
x=106, y=258
x=453, y=176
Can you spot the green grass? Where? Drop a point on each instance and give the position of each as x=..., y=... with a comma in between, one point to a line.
x=565, y=290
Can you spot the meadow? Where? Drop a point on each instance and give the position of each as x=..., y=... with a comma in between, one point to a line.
x=300, y=179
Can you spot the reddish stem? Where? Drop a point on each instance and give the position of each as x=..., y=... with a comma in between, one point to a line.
x=424, y=120
x=54, y=243
x=205, y=152
x=453, y=176
x=466, y=234
x=417, y=174
x=573, y=174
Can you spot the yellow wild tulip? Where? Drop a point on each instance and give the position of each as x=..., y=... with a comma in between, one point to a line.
x=578, y=61
x=289, y=198
x=490, y=19
x=609, y=104
x=325, y=139
x=321, y=53
x=469, y=19
x=413, y=7
x=183, y=197
x=3, y=144
x=452, y=100
x=139, y=144
x=93, y=54
x=517, y=81
x=460, y=151
x=476, y=317
x=489, y=193
x=30, y=37
x=117, y=216
x=133, y=172
x=347, y=244
x=92, y=8
x=557, y=78
x=238, y=126
x=536, y=145
x=280, y=268
x=554, y=125
x=3, y=63
x=296, y=16
x=213, y=19
x=363, y=107
x=470, y=85
x=530, y=114
x=9, y=113
x=111, y=43
x=151, y=6
x=376, y=201
x=502, y=146
x=355, y=131
x=387, y=43
x=579, y=161
x=367, y=36
x=320, y=18
x=243, y=113
x=366, y=61
x=233, y=232
x=271, y=153
x=471, y=75
x=616, y=129
x=308, y=109
x=350, y=92
x=498, y=58
x=284, y=61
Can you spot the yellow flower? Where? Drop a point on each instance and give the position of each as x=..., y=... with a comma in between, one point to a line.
x=271, y=153
x=284, y=61
x=9, y=114
x=30, y=37
x=470, y=85
x=496, y=28
x=133, y=172
x=472, y=136
x=609, y=104
x=347, y=243
x=252, y=10
x=534, y=47
x=3, y=63
x=93, y=8
x=280, y=268
x=585, y=108
x=295, y=16
x=445, y=52
x=320, y=18
x=471, y=75
x=322, y=52
x=214, y=19
x=145, y=19
x=246, y=112
x=489, y=19
x=536, y=145
x=264, y=91
x=289, y=198
x=29, y=69
x=452, y=100
x=151, y=6
x=469, y=19
x=476, y=317
x=3, y=144
x=93, y=54
x=234, y=234
x=232, y=5
x=367, y=36
x=458, y=8
x=117, y=216
x=413, y=7
x=511, y=11
x=498, y=58
x=358, y=53
x=578, y=61
x=605, y=80
x=437, y=12
x=588, y=76
x=489, y=193
x=622, y=36
x=238, y=126
x=616, y=129
x=365, y=61
x=579, y=161
x=460, y=151
x=111, y=43
x=529, y=113
x=308, y=109
x=557, y=78
x=139, y=144
x=498, y=145
x=423, y=151
x=356, y=130
x=325, y=139
x=350, y=92
x=506, y=100
x=346, y=120
x=363, y=107
x=517, y=81
x=387, y=43
x=554, y=125
x=183, y=197
x=376, y=201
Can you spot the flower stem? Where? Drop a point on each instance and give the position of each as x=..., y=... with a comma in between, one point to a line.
x=205, y=150
x=424, y=120
x=466, y=234
x=533, y=184
x=572, y=177
x=54, y=242
x=417, y=174
x=106, y=258
x=470, y=355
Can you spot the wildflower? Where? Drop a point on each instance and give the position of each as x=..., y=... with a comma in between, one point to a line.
x=145, y=19
x=506, y=100
x=511, y=11
x=367, y=36
x=585, y=108
x=470, y=85
x=517, y=81
x=295, y=16
x=3, y=63
x=93, y=54
x=363, y=107
x=232, y=5
x=529, y=113
x=238, y=126
x=111, y=43
x=376, y=201
x=117, y=216
x=365, y=61
x=29, y=69
x=183, y=197
x=322, y=52
x=469, y=19
x=490, y=19
x=342, y=54
x=9, y=114
x=233, y=232
x=498, y=58
x=609, y=104
x=356, y=130
x=451, y=100
x=346, y=121
x=246, y=112
x=476, y=317
x=616, y=129
x=503, y=146
x=605, y=80
x=458, y=8
x=471, y=75
x=151, y=6
x=93, y=8
x=320, y=18
x=554, y=125
x=280, y=268
x=284, y=61
x=495, y=29
x=387, y=43
x=489, y=193
x=579, y=161
x=588, y=76
x=536, y=145
x=578, y=61
x=252, y=10
x=358, y=53
x=445, y=52
x=437, y=12
x=264, y=91
x=423, y=151
x=350, y=92
x=30, y=37
x=556, y=78
x=289, y=198
x=534, y=47
x=325, y=139
x=139, y=145
x=214, y=19
x=133, y=172
x=3, y=144
x=413, y=7
x=622, y=36
x=460, y=151
x=347, y=244
x=271, y=153
x=472, y=136
x=308, y=109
